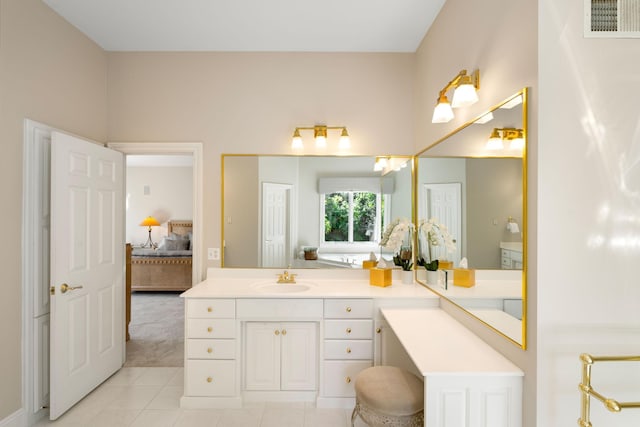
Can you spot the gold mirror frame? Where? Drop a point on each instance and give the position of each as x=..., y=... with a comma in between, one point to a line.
x=524, y=94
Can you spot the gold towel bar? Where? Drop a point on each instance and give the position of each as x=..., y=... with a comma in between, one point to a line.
x=586, y=391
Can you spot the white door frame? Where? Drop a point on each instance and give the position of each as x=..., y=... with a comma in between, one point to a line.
x=178, y=148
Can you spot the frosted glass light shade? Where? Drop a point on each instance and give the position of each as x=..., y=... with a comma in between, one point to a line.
x=442, y=113
x=321, y=141
x=495, y=144
x=464, y=95
x=345, y=142
x=517, y=143
x=296, y=143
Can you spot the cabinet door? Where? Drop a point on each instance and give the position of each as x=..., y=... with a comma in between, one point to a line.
x=299, y=355
x=262, y=356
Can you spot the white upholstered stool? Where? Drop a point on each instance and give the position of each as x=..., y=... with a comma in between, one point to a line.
x=390, y=397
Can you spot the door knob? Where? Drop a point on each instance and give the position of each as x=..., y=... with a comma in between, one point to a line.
x=64, y=288
x=284, y=332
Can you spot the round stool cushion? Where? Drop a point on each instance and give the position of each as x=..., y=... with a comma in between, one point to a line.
x=390, y=391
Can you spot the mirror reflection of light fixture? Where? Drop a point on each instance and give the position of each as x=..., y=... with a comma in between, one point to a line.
x=515, y=138
x=149, y=222
x=320, y=136
x=464, y=95
x=380, y=164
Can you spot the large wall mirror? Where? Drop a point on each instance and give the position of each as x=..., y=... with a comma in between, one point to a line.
x=310, y=211
x=473, y=181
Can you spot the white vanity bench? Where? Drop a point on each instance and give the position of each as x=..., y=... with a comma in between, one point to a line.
x=248, y=339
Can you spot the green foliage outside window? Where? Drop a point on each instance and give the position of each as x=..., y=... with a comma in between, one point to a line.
x=336, y=217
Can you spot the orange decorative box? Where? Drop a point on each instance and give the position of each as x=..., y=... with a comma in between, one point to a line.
x=380, y=277
x=464, y=277
x=369, y=264
x=445, y=265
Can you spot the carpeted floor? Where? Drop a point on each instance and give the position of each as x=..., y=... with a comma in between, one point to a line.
x=156, y=330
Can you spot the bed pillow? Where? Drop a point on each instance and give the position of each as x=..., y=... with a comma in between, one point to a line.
x=176, y=245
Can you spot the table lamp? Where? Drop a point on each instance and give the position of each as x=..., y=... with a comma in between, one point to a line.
x=149, y=222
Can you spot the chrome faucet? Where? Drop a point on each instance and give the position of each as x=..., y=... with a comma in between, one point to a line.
x=286, y=277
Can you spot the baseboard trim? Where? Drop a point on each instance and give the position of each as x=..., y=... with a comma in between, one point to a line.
x=17, y=419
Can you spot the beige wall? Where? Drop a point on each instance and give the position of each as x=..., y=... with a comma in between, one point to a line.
x=170, y=197
x=500, y=38
x=251, y=103
x=51, y=73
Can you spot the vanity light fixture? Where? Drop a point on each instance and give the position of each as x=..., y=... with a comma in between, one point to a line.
x=464, y=95
x=320, y=136
x=149, y=222
x=515, y=137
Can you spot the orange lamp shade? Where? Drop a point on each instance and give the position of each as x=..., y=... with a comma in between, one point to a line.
x=149, y=222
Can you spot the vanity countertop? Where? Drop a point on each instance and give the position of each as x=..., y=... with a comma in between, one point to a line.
x=464, y=351
x=503, y=289
x=347, y=283
x=511, y=246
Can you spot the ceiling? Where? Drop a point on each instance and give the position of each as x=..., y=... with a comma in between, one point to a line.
x=252, y=25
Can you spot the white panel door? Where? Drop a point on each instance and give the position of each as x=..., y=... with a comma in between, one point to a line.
x=87, y=255
x=262, y=356
x=299, y=356
x=444, y=204
x=275, y=224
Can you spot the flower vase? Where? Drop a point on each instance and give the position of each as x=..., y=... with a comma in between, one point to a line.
x=433, y=277
x=407, y=277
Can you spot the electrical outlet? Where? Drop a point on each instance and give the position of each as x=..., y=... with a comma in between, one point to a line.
x=213, y=254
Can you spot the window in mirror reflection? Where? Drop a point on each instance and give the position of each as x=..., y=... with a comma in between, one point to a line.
x=352, y=217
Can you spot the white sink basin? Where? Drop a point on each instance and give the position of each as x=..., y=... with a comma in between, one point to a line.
x=272, y=287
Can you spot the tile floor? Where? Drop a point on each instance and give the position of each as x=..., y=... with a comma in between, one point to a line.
x=150, y=397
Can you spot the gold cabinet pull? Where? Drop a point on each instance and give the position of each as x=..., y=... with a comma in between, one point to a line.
x=64, y=288
x=348, y=309
x=209, y=350
x=284, y=332
x=277, y=332
x=378, y=330
x=348, y=350
x=348, y=330
x=209, y=329
x=348, y=380
x=209, y=379
x=209, y=309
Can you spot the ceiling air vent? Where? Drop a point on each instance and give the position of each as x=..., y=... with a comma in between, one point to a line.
x=612, y=18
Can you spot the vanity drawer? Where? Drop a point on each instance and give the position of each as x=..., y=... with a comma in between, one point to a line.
x=276, y=308
x=339, y=377
x=211, y=349
x=348, y=308
x=348, y=349
x=211, y=308
x=210, y=378
x=348, y=329
x=211, y=328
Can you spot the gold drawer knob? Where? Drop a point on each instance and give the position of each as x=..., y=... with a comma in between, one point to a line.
x=209, y=329
x=348, y=350
x=378, y=330
x=277, y=332
x=348, y=380
x=284, y=332
x=209, y=309
x=348, y=309
x=209, y=350
x=348, y=330
x=209, y=379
